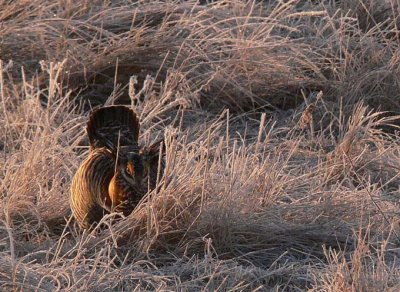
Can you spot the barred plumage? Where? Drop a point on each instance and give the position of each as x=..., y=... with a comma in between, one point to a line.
x=115, y=175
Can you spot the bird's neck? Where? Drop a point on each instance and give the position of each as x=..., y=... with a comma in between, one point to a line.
x=114, y=189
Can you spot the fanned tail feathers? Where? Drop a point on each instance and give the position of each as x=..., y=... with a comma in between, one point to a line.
x=112, y=126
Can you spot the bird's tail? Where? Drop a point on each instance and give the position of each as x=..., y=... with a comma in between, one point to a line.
x=113, y=126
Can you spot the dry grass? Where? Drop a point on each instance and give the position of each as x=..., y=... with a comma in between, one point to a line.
x=280, y=124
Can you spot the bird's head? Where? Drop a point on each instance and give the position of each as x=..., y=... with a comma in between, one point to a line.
x=131, y=166
x=137, y=166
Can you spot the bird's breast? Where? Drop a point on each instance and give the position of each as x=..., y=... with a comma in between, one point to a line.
x=124, y=196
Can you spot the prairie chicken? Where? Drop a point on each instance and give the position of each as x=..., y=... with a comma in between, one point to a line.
x=117, y=173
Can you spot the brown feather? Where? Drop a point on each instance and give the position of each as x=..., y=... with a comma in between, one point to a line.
x=103, y=184
x=113, y=126
x=124, y=197
x=89, y=194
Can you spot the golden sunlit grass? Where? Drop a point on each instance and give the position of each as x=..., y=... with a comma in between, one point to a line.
x=279, y=121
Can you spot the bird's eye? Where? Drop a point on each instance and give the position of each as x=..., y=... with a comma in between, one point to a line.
x=129, y=168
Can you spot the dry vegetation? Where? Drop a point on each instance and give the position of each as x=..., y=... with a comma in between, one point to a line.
x=280, y=123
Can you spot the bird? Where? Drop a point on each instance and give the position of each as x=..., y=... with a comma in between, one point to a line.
x=117, y=173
